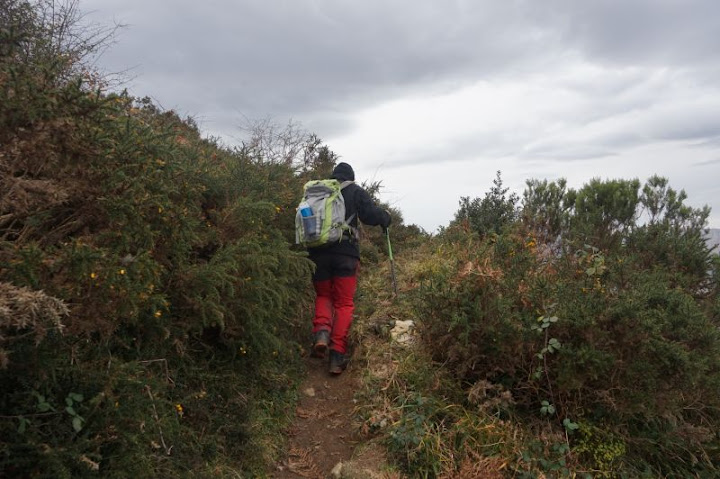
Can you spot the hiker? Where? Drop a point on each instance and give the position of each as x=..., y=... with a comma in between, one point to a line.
x=335, y=278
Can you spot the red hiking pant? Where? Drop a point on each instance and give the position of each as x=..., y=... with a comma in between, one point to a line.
x=335, y=283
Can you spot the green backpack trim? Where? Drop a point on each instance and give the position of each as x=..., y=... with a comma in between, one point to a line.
x=327, y=224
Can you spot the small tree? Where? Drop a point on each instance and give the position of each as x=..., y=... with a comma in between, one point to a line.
x=546, y=207
x=604, y=211
x=491, y=214
x=290, y=145
x=673, y=234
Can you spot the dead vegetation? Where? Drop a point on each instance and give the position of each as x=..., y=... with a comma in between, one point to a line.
x=27, y=314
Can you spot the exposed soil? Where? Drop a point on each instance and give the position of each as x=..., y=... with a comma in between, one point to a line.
x=322, y=434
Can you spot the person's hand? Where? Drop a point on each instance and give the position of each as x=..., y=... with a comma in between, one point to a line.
x=388, y=220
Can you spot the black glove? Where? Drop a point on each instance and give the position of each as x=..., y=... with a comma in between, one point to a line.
x=388, y=220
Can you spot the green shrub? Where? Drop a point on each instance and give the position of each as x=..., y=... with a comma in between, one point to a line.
x=163, y=300
x=622, y=339
x=491, y=214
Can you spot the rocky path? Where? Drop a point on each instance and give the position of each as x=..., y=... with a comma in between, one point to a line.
x=323, y=441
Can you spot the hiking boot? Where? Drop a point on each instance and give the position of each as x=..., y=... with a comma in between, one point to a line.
x=320, y=345
x=338, y=362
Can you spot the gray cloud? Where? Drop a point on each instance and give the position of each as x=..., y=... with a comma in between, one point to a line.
x=713, y=143
x=638, y=32
x=327, y=56
x=625, y=74
x=691, y=123
x=312, y=55
x=569, y=152
x=716, y=161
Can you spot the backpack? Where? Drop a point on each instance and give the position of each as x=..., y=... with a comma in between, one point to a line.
x=320, y=216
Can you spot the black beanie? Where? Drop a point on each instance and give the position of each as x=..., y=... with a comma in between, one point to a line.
x=343, y=172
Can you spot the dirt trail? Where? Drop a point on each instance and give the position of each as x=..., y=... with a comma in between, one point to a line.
x=322, y=434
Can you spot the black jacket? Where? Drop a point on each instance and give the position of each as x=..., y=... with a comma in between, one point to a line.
x=358, y=205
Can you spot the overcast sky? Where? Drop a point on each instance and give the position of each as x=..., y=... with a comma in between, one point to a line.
x=433, y=97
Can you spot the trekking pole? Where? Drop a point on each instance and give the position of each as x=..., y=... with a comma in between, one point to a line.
x=392, y=261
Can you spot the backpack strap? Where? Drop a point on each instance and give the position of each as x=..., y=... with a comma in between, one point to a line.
x=352, y=231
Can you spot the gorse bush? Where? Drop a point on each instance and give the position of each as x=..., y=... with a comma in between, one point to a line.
x=150, y=301
x=621, y=339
